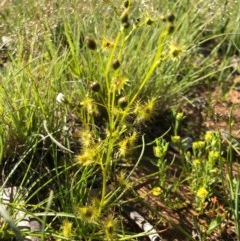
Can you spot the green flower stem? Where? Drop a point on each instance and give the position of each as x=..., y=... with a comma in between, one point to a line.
x=157, y=59
x=105, y=169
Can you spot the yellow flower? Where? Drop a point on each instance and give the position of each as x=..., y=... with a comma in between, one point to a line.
x=202, y=193
x=66, y=228
x=145, y=111
x=175, y=139
x=175, y=51
x=213, y=156
x=123, y=182
x=156, y=191
x=119, y=83
x=85, y=136
x=179, y=116
x=110, y=225
x=89, y=105
x=87, y=156
x=198, y=145
x=132, y=138
x=126, y=145
x=107, y=44
x=196, y=162
x=123, y=149
x=208, y=136
x=161, y=149
x=88, y=213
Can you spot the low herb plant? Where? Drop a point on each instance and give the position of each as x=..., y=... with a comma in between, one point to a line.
x=205, y=168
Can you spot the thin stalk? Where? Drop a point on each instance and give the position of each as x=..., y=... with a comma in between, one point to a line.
x=50, y=199
x=105, y=169
x=156, y=61
x=110, y=59
x=236, y=207
x=129, y=175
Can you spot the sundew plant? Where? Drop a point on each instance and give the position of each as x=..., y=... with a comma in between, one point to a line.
x=85, y=86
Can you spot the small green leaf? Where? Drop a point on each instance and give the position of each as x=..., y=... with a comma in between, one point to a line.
x=214, y=224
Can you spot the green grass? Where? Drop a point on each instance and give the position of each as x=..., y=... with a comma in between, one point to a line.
x=118, y=69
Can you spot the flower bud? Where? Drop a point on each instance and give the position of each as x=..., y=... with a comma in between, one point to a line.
x=126, y=25
x=116, y=64
x=95, y=86
x=91, y=44
x=171, y=18
x=176, y=139
x=179, y=116
x=124, y=17
x=122, y=102
x=126, y=4
x=150, y=21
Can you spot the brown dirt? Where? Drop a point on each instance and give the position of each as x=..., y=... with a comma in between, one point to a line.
x=225, y=108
